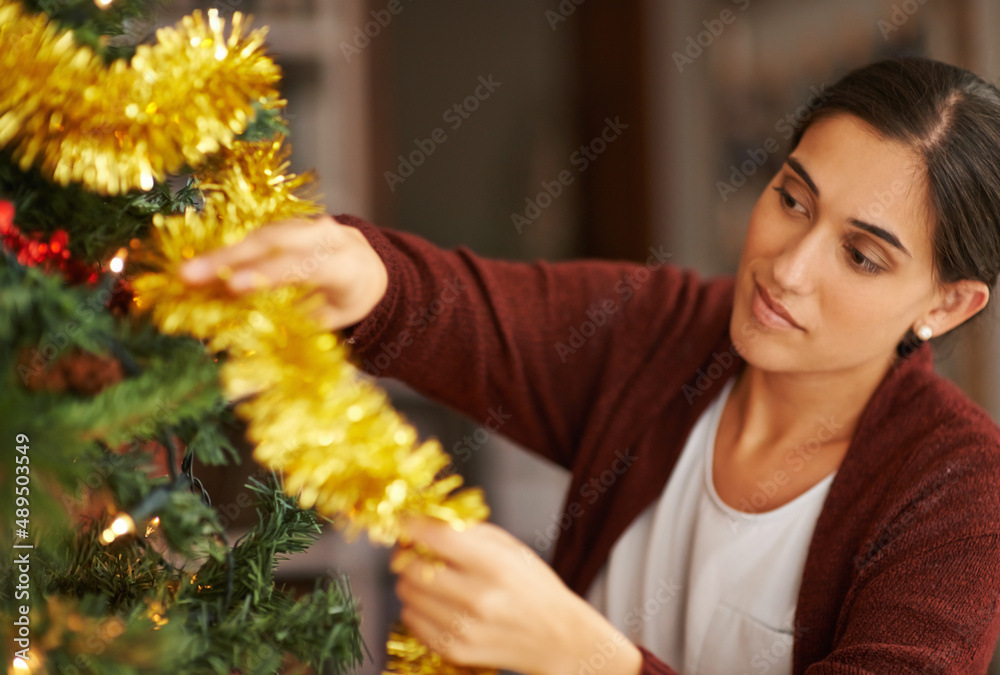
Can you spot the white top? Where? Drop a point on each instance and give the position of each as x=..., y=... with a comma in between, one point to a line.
x=708, y=589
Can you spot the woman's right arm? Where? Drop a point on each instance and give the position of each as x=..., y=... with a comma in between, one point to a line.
x=539, y=352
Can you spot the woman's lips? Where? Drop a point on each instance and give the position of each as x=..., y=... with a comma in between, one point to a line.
x=770, y=313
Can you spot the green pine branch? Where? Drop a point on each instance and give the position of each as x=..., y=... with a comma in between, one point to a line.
x=320, y=629
x=178, y=597
x=97, y=226
x=131, y=20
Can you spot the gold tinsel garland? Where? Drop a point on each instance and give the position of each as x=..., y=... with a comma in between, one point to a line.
x=120, y=127
x=312, y=415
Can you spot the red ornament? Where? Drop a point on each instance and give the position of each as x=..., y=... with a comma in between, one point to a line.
x=6, y=216
x=35, y=251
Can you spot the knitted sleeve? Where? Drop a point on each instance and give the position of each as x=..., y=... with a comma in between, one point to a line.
x=925, y=596
x=529, y=348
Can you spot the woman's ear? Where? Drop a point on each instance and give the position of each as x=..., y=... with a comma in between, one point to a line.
x=959, y=301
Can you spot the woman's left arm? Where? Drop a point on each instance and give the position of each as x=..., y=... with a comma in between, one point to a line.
x=925, y=591
x=936, y=613
x=489, y=600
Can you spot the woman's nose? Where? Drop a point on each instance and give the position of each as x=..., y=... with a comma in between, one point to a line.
x=800, y=262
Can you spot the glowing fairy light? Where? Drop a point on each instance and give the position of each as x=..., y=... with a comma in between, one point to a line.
x=156, y=612
x=103, y=4
x=124, y=523
x=153, y=524
x=121, y=526
x=32, y=662
x=117, y=263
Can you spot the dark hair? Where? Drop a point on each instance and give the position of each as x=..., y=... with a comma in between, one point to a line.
x=951, y=118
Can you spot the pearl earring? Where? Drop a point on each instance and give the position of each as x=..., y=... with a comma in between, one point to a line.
x=925, y=333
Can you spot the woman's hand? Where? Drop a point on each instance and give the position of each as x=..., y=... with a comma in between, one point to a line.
x=490, y=601
x=335, y=258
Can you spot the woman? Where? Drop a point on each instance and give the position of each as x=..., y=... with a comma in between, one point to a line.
x=767, y=474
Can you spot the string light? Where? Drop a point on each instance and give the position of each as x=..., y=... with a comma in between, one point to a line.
x=34, y=663
x=153, y=524
x=124, y=523
x=156, y=612
x=121, y=526
x=103, y=4
x=117, y=263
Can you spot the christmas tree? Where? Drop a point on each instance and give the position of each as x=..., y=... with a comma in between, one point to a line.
x=121, y=156
x=118, y=562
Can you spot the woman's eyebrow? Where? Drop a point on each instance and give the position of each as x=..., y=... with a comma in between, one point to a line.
x=799, y=169
x=881, y=233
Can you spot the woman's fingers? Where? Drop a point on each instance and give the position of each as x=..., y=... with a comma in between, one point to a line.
x=334, y=258
x=488, y=600
x=292, y=236
x=219, y=264
x=444, y=606
x=440, y=627
x=482, y=547
x=430, y=582
x=441, y=539
x=265, y=272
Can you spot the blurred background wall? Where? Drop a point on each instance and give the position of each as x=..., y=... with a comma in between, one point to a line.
x=455, y=120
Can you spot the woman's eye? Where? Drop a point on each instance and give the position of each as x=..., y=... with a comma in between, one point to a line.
x=788, y=201
x=861, y=261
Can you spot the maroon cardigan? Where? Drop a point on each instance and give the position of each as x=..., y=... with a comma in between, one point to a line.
x=597, y=360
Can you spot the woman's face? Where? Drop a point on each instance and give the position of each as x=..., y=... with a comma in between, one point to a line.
x=840, y=240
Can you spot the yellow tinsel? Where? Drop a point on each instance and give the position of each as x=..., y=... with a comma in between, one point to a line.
x=120, y=127
x=410, y=657
x=313, y=416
